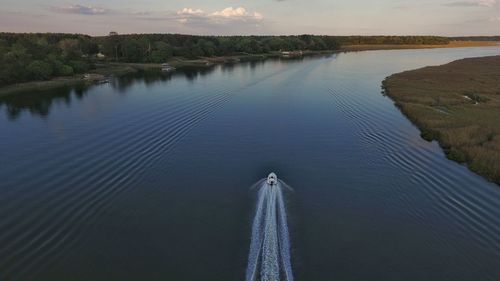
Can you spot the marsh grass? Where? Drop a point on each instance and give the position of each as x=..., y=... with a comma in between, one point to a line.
x=457, y=104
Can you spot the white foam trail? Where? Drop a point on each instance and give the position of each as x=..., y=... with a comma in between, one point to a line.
x=284, y=239
x=270, y=270
x=270, y=242
x=256, y=243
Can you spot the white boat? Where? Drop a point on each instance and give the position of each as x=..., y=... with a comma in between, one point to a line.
x=167, y=67
x=272, y=179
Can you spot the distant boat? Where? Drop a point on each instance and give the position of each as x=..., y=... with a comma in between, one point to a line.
x=290, y=54
x=96, y=78
x=167, y=67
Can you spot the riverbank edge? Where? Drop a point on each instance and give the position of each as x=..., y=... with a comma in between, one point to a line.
x=430, y=134
x=105, y=69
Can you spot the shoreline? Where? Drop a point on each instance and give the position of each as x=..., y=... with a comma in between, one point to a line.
x=106, y=69
x=458, y=105
x=50, y=84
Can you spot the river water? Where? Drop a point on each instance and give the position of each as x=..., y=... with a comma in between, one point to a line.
x=148, y=177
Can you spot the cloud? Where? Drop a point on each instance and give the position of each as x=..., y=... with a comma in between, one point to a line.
x=81, y=10
x=227, y=15
x=474, y=3
x=190, y=11
x=227, y=21
x=237, y=13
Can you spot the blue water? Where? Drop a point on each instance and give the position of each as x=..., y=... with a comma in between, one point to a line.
x=147, y=178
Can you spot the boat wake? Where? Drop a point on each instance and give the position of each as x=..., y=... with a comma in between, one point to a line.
x=269, y=257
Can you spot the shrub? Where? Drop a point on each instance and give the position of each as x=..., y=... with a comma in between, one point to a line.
x=456, y=155
x=79, y=66
x=66, y=70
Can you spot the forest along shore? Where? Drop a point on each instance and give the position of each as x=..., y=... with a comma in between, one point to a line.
x=32, y=61
x=457, y=104
x=102, y=70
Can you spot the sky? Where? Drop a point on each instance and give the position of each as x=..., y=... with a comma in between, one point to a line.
x=258, y=17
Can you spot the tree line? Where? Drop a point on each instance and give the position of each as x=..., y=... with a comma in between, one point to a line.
x=41, y=56
x=27, y=57
x=393, y=40
x=160, y=47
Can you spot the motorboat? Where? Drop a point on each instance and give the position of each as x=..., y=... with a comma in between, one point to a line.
x=272, y=179
x=167, y=67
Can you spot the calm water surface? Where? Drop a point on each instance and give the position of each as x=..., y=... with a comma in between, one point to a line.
x=147, y=178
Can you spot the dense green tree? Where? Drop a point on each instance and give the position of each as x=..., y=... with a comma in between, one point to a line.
x=65, y=70
x=4, y=47
x=317, y=43
x=110, y=46
x=225, y=46
x=88, y=46
x=276, y=43
x=13, y=67
x=78, y=66
x=70, y=49
x=207, y=47
x=39, y=70
x=162, y=52
x=133, y=51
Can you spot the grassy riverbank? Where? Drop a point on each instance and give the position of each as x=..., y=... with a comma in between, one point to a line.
x=457, y=104
x=50, y=84
x=452, y=44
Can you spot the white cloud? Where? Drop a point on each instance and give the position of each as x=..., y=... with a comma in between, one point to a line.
x=231, y=12
x=81, y=9
x=227, y=21
x=190, y=11
x=227, y=15
x=238, y=13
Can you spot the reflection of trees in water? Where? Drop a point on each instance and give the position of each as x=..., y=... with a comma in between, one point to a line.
x=193, y=73
x=39, y=103
x=228, y=67
x=149, y=77
x=124, y=82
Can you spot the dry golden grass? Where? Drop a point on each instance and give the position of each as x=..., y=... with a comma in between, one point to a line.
x=457, y=104
x=452, y=44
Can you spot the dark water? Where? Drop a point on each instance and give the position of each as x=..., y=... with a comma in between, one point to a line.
x=147, y=178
